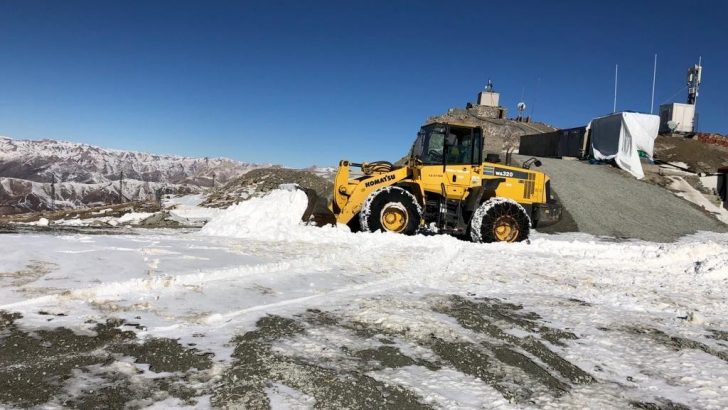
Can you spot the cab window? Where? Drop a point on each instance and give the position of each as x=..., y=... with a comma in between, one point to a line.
x=462, y=146
x=451, y=145
x=430, y=146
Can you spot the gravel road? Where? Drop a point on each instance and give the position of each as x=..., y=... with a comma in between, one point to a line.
x=601, y=200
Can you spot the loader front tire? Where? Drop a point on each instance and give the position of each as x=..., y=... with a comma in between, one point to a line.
x=390, y=209
x=499, y=220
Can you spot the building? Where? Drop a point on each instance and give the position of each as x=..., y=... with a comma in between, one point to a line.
x=488, y=104
x=681, y=115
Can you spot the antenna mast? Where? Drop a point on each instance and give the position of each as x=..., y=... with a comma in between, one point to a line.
x=694, y=76
x=654, y=75
x=616, y=73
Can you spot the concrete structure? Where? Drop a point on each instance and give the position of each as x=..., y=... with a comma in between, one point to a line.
x=682, y=114
x=488, y=104
x=488, y=98
x=484, y=111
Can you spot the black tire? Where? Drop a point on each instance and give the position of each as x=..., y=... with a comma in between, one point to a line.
x=386, y=202
x=500, y=220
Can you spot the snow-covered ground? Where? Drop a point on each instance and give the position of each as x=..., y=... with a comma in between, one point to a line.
x=186, y=210
x=297, y=316
x=684, y=190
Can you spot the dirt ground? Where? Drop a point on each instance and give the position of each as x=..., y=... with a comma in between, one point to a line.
x=46, y=367
x=699, y=156
x=39, y=367
x=35, y=366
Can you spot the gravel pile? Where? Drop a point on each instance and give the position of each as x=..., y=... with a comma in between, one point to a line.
x=601, y=200
x=258, y=182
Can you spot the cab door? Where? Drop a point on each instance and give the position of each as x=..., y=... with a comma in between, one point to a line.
x=462, y=160
x=451, y=158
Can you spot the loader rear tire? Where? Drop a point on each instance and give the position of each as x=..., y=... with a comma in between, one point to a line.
x=390, y=209
x=499, y=220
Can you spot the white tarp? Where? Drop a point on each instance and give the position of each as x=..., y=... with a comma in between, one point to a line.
x=621, y=135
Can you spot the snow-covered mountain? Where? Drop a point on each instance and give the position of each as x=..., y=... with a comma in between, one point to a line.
x=74, y=162
x=86, y=175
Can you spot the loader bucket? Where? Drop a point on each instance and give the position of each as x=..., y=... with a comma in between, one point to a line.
x=317, y=212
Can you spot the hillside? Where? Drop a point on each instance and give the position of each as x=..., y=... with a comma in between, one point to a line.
x=500, y=134
x=698, y=156
x=87, y=175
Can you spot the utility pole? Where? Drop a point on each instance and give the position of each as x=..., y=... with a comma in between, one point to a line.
x=213, y=180
x=616, y=74
x=121, y=187
x=53, y=192
x=654, y=75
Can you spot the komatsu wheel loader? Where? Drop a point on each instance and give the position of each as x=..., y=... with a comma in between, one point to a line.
x=444, y=187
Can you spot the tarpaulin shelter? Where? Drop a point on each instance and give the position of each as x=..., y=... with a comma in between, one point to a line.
x=620, y=137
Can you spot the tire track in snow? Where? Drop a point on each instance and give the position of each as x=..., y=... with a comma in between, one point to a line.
x=165, y=282
x=398, y=279
x=407, y=270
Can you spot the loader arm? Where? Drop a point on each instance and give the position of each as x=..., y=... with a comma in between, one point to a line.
x=349, y=194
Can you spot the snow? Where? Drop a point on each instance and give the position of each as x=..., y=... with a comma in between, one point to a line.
x=257, y=259
x=130, y=218
x=685, y=190
x=134, y=217
x=187, y=201
x=275, y=217
x=186, y=209
x=709, y=182
x=285, y=398
x=271, y=218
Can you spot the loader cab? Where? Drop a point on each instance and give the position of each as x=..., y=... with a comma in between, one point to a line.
x=446, y=144
x=447, y=158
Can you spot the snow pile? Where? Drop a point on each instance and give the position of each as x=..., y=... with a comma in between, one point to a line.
x=134, y=217
x=131, y=218
x=187, y=210
x=40, y=222
x=183, y=201
x=276, y=217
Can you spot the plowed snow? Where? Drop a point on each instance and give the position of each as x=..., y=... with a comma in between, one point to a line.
x=298, y=315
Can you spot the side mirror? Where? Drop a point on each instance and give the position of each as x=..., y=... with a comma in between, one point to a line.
x=531, y=161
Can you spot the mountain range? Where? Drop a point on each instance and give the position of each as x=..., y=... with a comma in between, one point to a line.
x=40, y=174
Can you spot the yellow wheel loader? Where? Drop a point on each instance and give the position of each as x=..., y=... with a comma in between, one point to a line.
x=443, y=187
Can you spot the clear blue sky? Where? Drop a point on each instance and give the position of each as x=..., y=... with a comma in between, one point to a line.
x=301, y=83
